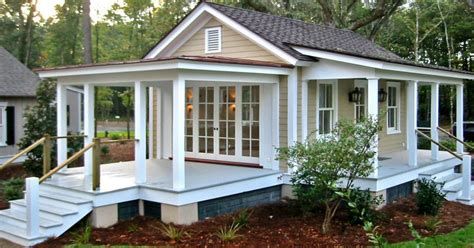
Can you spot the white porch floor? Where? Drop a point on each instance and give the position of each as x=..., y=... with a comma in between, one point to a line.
x=395, y=163
x=118, y=176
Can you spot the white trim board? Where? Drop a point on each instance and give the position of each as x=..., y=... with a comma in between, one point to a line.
x=161, y=49
x=382, y=65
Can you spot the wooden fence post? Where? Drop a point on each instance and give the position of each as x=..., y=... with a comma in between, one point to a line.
x=46, y=154
x=96, y=164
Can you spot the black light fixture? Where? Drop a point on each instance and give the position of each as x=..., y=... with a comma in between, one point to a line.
x=382, y=95
x=355, y=95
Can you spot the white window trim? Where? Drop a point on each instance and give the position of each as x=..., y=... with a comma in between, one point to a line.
x=206, y=31
x=334, y=102
x=3, y=128
x=361, y=84
x=398, y=98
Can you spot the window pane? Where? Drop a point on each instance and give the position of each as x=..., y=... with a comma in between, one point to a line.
x=245, y=148
x=202, y=145
x=392, y=96
x=231, y=147
x=245, y=130
x=202, y=94
x=231, y=111
x=245, y=112
x=328, y=96
x=222, y=129
x=210, y=94
x=322, y=94
x=210, y=145
x=223, y=111
x=210, y=128
x=232, y=94
x=222, y=94
x=255, y=112
x=210, y=111
x=189, y=127
x=231, y=130
x=222, y=146
x=202, y=128
x=255, y=94
x=255, y=130
x=391, y=118
x=189, y=144
x=246, y=94
x=255, y=148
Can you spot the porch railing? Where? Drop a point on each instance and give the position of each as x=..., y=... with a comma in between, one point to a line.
x=465, y=159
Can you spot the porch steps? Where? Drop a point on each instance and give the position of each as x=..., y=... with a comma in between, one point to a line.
x=58, y=212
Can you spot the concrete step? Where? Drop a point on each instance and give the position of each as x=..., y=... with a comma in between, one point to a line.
x=18, y=218
x=450, y=180
x=19, y=236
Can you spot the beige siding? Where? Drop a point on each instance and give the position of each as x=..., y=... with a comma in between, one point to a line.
x=283, y=101
x=20, y=105
x=312, y=88
x=233, y=45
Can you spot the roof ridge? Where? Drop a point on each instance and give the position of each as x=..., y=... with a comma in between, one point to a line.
x=280, y=16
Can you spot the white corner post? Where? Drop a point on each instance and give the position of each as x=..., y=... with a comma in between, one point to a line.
x=304, y=110
x=460, y=117
x=179, y=91
x=89, y=94
x=151, y=110
x=412, y=110
x=140, y=133
x=373, y=112
x=434, y=119
x=466, y=177
x=292, y=109
x=61, y=119
x=32, y=206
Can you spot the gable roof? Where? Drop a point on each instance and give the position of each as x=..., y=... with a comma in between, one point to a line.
x=285, y=33
x=15, y=78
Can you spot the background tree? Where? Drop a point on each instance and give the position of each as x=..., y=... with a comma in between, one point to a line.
x=127, y=101
x=86, y=30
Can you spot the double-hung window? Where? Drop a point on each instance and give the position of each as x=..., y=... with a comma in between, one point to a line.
x=360, y=108
x=326, y=106
x=393, y=107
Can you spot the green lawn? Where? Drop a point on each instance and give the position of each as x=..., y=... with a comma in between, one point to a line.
x=122, y=134
x=460, y=238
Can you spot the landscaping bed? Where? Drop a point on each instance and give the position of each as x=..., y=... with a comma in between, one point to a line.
x=12, y=171
x=278, y=225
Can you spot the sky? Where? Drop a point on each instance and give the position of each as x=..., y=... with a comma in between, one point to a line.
x=46, y=7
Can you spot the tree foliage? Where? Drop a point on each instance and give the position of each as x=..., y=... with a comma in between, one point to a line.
x=325, y=167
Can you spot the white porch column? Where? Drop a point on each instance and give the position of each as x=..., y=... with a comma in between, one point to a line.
x=460, y=117
x=304, y=110
x=412, y=110
x=61, y=121
x=89, y=122
x=466, y=177
x=434, y=119
x=292, y=107
x=373, y=111
x=140, y=132
x=151, y=110
x=179, y=98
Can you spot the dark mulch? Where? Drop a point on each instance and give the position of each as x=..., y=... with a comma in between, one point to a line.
x=278, y=225
x=119, y=152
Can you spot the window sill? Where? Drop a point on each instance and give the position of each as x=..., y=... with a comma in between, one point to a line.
x=390, y=132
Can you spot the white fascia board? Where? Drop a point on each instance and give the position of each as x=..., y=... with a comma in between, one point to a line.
x=380, y=64
x=176, y=32
x=170, y=38
x=202, y=66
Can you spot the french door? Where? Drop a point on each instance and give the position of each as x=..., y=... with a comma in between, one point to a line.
x=222, y=122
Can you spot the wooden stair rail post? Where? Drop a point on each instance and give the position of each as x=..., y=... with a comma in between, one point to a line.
x=46, y=154
x=96, y=164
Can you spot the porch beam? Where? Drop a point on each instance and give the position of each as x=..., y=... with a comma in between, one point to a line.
x=412, y=109
x=89, y=116
x=304, y=110
x=373, y=111
x=460, y=117
x=179, y=91
x=61, y=121
x=434, y=120
x=140, y=133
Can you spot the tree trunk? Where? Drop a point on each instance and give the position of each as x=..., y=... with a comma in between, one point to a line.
x=29, y=32
x=445, y=34
x=86, y=29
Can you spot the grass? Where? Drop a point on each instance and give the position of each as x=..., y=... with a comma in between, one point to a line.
x=123, y=134
x=461, y=238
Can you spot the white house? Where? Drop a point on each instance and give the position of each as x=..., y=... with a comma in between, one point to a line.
x=225, y=87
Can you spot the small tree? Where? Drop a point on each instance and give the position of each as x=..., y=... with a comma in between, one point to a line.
x=40, y=119
x=325, y=167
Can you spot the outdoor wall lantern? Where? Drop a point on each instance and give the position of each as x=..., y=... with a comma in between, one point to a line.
x=355, y=95
x=382, y=95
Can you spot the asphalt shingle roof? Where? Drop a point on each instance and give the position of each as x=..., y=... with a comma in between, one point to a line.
x=284, y=32
x=15, y=78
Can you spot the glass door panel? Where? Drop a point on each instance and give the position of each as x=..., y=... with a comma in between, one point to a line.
x=206, y=120
x=189, y=120
x=250, y=121
x=227, y=120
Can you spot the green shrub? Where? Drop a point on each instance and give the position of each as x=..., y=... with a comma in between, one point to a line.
x=322, y=162
x=450, y=144
x=361, y=205
x=105, y=150
x=375, y=238
x=115, y=136
x=429, y=197
x=13, y=188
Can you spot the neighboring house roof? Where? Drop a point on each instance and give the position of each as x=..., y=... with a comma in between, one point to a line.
x=285, y=33
x=210, y=59
x=15, y=78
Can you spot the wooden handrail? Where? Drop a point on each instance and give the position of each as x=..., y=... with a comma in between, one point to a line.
x=438, y=144
x=68, y=136
x=456, y=138
x=28, y=149
x=65, y=163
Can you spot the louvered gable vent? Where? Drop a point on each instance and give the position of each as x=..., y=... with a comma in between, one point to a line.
x=213, y=40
